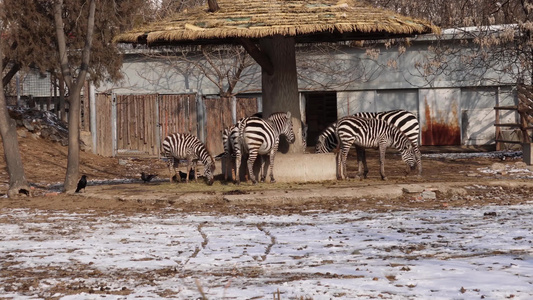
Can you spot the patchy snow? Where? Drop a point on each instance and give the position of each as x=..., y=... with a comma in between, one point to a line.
x=467, y=253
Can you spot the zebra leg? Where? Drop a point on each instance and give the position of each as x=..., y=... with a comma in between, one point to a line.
x=195, y=169
x=418, y=156
x=382, y=150
x=175, y=166
x=170, y=167
x=251, y=160
x=341, y=162
x=271, y=166
x=364, y=163
x=225, y=161
x=237, y=167
x=262, y=169
x=361, y=160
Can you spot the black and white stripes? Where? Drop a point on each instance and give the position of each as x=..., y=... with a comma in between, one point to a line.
x=185, y=146
x=402, y=119
x=261, y=137
x=370, y=133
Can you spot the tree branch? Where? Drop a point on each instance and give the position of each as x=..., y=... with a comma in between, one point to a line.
x=261, y=58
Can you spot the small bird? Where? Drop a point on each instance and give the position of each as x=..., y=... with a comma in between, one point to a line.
x=147, y=178
x=82, y=184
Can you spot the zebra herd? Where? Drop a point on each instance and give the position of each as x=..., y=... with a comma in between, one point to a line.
x=260, y=137
x=397, y=128
x=252, y=135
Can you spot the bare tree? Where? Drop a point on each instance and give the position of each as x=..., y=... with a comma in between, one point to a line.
x=74, y=79
x=507, y=48
x=32, y=41
x=8, y=129
x=224, y=66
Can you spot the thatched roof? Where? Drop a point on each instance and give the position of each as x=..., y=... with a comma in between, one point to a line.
x=306, y=20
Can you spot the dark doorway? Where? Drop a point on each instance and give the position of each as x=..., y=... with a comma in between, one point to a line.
x=320, y=112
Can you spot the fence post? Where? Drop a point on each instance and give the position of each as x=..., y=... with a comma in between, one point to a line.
x=92, y=108
x=234, y=109
x=201, y=117
x=158, y=130
x=114, y=124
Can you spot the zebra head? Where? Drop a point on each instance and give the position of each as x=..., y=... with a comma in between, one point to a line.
x=409, y=156
x=283, y=124
x=320, y=146
x=209, y=170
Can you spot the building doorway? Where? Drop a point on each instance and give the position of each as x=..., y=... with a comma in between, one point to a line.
x=320, y=112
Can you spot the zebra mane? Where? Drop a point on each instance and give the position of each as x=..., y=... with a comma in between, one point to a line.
x=205, y=156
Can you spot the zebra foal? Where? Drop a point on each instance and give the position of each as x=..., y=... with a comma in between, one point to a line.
x=261, y=137
x=230, y=136
x=178, y=146
x=404, y=120
x=370, y=133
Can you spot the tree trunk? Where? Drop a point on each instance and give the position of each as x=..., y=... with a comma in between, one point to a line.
x=62, y=110
x=280, y=89
x=8, y=129
x=73, y=157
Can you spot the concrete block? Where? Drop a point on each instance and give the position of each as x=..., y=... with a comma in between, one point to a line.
x=304, y=167
x=292, y=167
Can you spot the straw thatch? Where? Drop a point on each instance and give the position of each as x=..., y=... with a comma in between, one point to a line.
x=306, y=20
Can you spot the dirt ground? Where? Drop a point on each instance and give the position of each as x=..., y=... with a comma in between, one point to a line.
x=114, y=181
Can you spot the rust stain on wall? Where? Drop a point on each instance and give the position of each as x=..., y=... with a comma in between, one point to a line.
x=438, y=131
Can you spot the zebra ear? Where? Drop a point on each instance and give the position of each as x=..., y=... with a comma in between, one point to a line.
x=288, y=115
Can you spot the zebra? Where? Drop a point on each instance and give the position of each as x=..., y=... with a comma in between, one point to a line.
x=231, y=147
x=260, y=137
x=404, y=120
x=229, y=138
x=371, y=133
x=178, y=146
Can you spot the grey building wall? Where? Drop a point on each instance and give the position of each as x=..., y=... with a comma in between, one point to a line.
x=381, y=79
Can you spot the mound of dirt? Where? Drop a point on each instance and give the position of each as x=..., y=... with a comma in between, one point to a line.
x=45, y=163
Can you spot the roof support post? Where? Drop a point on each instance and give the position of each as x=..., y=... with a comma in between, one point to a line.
x=280, y=89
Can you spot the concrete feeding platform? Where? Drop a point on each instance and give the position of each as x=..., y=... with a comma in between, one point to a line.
x=294, y=167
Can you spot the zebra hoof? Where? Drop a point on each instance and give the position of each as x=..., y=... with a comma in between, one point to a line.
x=272, y=180
x=384, y=178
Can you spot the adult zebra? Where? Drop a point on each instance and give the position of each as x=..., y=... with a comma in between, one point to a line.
x=260, y=137
x=178, y=146
x=371, y=133
x=404, y=120
x=230, y=137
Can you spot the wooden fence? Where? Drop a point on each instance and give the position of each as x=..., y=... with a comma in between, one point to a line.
x=135, y=125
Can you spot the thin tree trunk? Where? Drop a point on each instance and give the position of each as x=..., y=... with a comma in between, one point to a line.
x=74, y=87
x=280, y=90
x=73, y=157
x=62, y=110
x=8, y=129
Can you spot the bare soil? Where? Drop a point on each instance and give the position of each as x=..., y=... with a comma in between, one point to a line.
x=114, y=184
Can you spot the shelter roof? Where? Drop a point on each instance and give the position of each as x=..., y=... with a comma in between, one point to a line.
x=308, y=21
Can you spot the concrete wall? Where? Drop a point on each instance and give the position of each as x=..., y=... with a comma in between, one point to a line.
x=365, y=80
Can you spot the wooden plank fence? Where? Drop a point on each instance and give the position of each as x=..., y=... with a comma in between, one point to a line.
x=104, y=140
x=135, y=125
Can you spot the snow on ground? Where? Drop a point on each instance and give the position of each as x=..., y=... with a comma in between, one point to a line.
x=467, y=253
